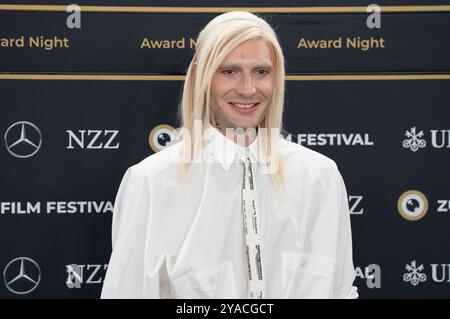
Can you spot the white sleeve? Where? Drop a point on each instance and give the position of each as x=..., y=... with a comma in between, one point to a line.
x=125, y=277
x=345, y=271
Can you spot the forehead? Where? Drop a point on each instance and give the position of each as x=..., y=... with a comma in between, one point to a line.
x=251, y=52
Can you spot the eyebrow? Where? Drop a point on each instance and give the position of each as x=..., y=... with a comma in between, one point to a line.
x=234, y=65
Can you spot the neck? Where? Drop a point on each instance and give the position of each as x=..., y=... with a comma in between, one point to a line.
x=241, y=137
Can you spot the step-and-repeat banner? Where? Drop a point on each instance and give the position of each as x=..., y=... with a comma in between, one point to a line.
x=86, y=94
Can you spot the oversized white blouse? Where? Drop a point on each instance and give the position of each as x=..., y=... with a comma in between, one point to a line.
x=175, y=241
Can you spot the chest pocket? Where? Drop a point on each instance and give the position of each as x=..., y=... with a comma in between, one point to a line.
x=307, y=276
x=215, y=282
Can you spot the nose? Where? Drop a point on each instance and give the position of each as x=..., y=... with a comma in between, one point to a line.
x=246, y=87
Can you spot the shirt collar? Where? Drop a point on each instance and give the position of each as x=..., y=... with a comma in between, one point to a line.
x=225, y=151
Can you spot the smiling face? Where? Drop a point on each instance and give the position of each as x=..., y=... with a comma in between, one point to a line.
x=242, y=86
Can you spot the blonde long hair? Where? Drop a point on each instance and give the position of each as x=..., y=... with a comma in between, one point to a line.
x=219, y=37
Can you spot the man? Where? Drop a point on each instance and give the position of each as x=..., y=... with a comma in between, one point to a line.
x=232, y=210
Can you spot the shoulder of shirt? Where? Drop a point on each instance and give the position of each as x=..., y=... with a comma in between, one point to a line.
x=156, y=163
x=303, y=158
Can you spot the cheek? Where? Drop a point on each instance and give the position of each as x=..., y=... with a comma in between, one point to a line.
x=220, y=87
x=266, y=88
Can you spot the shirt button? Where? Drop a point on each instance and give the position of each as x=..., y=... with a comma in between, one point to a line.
x=212, y=280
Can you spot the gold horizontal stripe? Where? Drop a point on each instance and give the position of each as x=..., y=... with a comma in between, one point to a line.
x=118, y=77
x=95, y=77
x=355, y=9
x=370, y=77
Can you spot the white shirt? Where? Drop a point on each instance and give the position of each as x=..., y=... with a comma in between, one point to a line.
x=175, y=242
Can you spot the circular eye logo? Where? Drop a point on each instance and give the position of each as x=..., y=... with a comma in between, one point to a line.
x=160, y=137
x=412, y=205
x=22, y=275
x=23, y=139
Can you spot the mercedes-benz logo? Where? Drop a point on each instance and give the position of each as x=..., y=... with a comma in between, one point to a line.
x=23, y=139
x=22, y=275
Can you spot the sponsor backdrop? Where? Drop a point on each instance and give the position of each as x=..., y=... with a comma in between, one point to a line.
x=86, y=94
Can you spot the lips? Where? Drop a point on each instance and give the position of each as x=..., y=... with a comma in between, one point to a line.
x=244, y=107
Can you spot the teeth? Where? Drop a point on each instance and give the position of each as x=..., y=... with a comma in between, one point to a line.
x=244, y=106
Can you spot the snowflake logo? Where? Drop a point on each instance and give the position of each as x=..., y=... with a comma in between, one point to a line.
x=414, y=274
x=414, y=141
